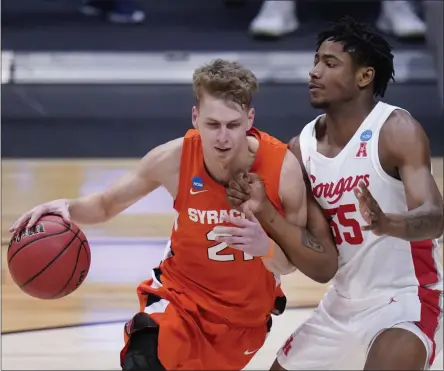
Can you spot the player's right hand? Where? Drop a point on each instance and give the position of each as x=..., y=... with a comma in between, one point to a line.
x=57, y=207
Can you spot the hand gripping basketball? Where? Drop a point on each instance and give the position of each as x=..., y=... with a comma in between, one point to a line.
x=48, y=256
x=57, y=207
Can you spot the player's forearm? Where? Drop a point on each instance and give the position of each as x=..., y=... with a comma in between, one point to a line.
x=88, y=210
x=424, y=222
x=302, y=249
x=278, y=262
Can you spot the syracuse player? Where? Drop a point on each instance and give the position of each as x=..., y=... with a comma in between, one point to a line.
x=208, y=305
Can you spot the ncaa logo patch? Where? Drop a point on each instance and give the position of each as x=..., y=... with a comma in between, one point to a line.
x=366, y=135
x=197, y=182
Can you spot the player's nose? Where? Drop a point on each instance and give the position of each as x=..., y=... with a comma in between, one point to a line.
x=222, y=135
x=314, y=74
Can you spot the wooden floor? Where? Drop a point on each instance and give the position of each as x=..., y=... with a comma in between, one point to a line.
x=109, y=292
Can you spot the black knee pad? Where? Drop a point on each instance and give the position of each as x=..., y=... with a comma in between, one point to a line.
x=140, y=321
x=141, y=354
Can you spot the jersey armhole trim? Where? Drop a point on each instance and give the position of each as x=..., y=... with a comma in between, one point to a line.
x=183, y=170
x=377, y=163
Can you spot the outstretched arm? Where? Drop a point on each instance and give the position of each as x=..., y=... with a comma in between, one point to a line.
x=102, y=206
x=131, y=187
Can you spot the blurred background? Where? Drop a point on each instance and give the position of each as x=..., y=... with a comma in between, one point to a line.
x=88, y=87
x=91, y=71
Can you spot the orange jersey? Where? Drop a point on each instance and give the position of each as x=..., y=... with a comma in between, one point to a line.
x=218, y=278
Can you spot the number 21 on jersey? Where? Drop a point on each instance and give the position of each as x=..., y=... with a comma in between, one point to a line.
x=213, y=251
x=341, y=219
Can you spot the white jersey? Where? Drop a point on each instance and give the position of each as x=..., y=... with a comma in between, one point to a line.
x=369, y=265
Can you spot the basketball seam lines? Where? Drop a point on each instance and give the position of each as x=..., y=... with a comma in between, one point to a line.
x=64, y=225
x=48, y=265
x=83, y=245
x=73, y=271
x=37, y=239
x=55, y=234
x=87, y=251
x=83, y=242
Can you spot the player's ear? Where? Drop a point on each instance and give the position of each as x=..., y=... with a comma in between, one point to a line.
x=251, y=114
x=194, y=115
x=365, y=76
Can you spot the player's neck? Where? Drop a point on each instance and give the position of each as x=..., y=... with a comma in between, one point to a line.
x=222, y=172
x=343, y=120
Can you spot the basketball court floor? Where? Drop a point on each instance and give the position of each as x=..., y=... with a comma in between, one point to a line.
x=84, y=330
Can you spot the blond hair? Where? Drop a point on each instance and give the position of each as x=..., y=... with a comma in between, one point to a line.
x=226, y=80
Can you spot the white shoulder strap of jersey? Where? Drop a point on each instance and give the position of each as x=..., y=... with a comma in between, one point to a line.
x=377, y=118
x=380, y=114
x=307, y=140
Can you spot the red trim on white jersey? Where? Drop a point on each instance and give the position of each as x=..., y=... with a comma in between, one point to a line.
x=427, y=274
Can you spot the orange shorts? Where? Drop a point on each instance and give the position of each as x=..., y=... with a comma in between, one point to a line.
x=191, y=339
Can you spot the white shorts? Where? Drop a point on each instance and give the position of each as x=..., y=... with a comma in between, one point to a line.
x=340, y=332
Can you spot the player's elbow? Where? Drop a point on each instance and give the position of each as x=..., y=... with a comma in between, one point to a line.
x=323, y=279
x=325, y=269
x=438, y=212
x=434, y=214
x=328, y=271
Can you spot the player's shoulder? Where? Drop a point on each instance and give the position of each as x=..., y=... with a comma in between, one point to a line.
x=272, y=149
x=315, y=126
x=192, y=134
x=294, y=145
x=401, y=122
x=192, y=141
x=265, y=137
x=291, y=162
x=161, y=161
x=172, y=147
x=166, y=153
x=401, y=130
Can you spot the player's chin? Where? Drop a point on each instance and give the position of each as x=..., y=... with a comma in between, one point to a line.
x=318, y=103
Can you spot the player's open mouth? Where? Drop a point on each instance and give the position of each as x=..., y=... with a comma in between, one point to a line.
x=222, y=149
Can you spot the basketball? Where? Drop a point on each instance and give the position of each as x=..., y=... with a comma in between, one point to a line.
x=49, y=260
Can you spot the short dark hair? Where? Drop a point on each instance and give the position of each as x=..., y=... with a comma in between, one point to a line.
x=366, y=47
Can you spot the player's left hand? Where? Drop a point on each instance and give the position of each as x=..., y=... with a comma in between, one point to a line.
x=246, y=191
x=371, y=211
x=246, y=234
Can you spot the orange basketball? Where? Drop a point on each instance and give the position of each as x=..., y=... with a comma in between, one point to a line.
x=49, y=260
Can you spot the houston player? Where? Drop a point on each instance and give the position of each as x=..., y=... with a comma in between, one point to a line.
x=207, y=306
x=368, y=165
